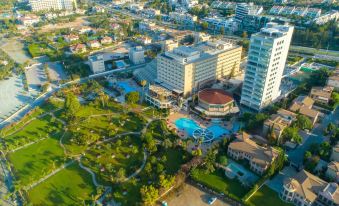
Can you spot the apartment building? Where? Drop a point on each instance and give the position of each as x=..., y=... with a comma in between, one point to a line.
x=306, y=189
x=243, y=9
x=41, y=5
x=183, y=17
x=96, y=63
x=186, y=69
x=266, y=63
x=260, y=158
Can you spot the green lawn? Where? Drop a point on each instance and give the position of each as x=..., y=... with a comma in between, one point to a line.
x=266, y=197
x=219, y=182
x=71, y=186
x=37, y=160
x=36, y=129
x=36, y=50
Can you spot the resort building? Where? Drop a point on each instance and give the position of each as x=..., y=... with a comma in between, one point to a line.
x=321, y=94
x=187, y=69
x=332, y=171
x=44, y=5
x=137, y=55
x=303, y=105
x=266, y=63
x=243, y=9
x=260, y=158
x=97, y=63
x=215, y=103
x=159, y=97
x=305, y=189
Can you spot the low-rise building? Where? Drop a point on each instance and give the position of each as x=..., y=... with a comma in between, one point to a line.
x=260, y=158
x=145, y=40
x=169, y=45
x=94, y=44
x=183, y=17
x=115, y=26
x=307, y=189
x=332, y=171
x=323, y=19
x=333, y=80
x=252, y=23
x=71, y=38
x=215, y=103
x=159, y=97
x=97, y=63
x=321, y=94
x=151, y=12
x=85, y=29
x=147, y=26
x=313, y=13
x=228, y=24
x=106, y=40
x=78, y=48
x=201, y=37
x=303, y=105
x=137, y=55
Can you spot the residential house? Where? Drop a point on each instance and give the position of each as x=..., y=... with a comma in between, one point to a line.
x=332, y=171
x=147, y=26
x=260, y=158
x=106, y=40
x=278, y=122
x=115, y=26
x=71, y=38
x=321, y=94
x=94, y=44
x=333, y=80
x=306, y=189
x=84, y=30
x=303, y=105
x=78, y=48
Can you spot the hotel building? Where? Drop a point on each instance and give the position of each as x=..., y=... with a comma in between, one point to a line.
x=187, y=69
x=40, y=5
x=266, y=63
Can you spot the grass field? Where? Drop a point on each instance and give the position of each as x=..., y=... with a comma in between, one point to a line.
x=71, y=186
x=36, y=129
x=266, y=197
x=36, y=50
x=219, y=182
x=37, y=160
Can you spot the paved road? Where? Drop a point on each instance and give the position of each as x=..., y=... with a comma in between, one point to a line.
x=316, y=136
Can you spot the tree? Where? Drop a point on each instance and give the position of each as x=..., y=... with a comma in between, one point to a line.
x=271, y=136
x=291, y=133
x=132, y=97
x=121, y=174
x=71, y=105
x=103, y=98
x=223, y=160
x=166, y=182
x=167, y=143
x=204, y=26
x=303, y=122
x=307, y=155
x=149, y=195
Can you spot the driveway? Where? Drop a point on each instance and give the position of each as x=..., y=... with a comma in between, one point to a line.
x=192, y=196
x=276, y=183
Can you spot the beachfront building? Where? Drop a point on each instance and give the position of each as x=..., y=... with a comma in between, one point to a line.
x=215, y=103
x=306, y=189
x=244, y=148
x=266, y=63
x=187, y=69
x=44, y=5
x=96, y=63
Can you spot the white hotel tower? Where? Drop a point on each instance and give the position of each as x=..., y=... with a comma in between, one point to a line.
x=266, y=62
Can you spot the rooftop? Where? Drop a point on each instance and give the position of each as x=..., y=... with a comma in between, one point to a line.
x=215, y=96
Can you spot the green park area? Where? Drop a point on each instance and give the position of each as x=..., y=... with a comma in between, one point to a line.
x=66, y=152
x=37, y=50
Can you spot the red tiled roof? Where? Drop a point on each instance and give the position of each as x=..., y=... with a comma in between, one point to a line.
x=215, y=96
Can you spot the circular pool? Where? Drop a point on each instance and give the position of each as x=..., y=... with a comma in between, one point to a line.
x=204, y=134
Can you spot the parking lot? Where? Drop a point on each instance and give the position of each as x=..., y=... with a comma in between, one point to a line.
x=12, y=96
x=192, y=196
x=56, y=71
x=36, y=77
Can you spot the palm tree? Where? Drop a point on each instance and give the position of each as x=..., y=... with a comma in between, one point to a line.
x=103, y=98
x=143, y=84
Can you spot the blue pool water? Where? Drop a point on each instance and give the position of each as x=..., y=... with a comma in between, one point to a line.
x=189, y=126
x=126, y=87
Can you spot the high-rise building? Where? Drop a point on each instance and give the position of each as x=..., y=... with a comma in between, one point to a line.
x=187, y=69
x=243, y=9
x=266, y=62
x=40, y=5
x=137, y=55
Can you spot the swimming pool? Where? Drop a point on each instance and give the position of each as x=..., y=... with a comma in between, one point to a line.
x=189, y=126
x=126, y=87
